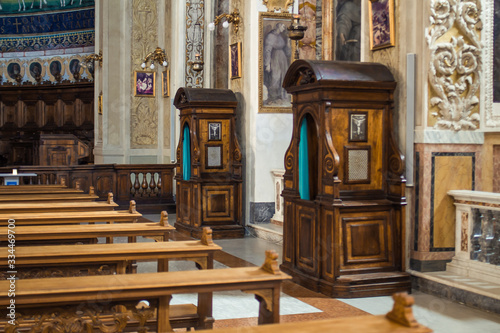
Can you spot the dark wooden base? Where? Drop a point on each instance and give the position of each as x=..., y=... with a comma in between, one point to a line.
x=353, y=286
x=218, y=231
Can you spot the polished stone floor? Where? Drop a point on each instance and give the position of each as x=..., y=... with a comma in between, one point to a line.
x=297, y=303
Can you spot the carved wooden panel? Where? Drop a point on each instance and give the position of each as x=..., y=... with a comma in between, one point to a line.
x=306, y=236
x=28, y=111
x=218, y=202
x=366, y=239
x=104, y=182
x=362, y=167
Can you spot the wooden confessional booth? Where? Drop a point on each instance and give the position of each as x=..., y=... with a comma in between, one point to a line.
x=208, y=172
x=344, y=190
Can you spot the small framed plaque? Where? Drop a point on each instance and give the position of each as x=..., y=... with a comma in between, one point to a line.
x=214, y=131
x=213, y=156
x=358, y=125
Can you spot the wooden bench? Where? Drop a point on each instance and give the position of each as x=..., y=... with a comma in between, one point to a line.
x=62, y=302
x=63, y=206
x=27, y=189
x=53, y=218
x=32, y=187
x=399, y=320
x=54, y=261
x=50, y=233
x=50, y=197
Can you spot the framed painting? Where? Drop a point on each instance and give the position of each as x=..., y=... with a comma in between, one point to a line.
x=347, y=29
x=144, y=84
x=381, y=13
x=214, y=131
x=235, y=60
x=213, y=156
x=165, y=83
x=358, y=126
x=99, y=104
x=275, y=56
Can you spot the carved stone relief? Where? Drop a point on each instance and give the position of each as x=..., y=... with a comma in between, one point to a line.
x=195, y=26
x=454, y=39
x=144, y=115
x=491, y=118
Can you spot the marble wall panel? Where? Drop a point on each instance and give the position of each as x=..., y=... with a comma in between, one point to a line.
x=461, y=178
x=440, y=168
x=496, y=168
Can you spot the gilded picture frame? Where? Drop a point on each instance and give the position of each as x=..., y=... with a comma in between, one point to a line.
x=165, y=83
x=235, y=60
x=382, y=27
x=144, y=84
x=275, y=56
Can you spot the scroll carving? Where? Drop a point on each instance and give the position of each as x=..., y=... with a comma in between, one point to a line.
x=456, y=63
x=144, y=116
x=195, y=25
x=84, y=318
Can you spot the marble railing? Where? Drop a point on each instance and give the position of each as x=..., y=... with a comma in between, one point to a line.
x=477, y=235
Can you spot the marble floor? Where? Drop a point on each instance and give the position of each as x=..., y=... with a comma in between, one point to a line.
x=297, y=303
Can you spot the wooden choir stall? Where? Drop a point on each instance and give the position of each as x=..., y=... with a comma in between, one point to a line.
x=344, y=190
x=208, y=172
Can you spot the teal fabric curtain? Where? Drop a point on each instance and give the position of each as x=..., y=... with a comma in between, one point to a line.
x=186, y=154
x=304, y=162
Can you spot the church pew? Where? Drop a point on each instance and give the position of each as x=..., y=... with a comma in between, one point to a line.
x=54, y=233
x=32, y=187
x=51, y=261
x=53, y=218
x=63, y=206
x=24, y=190
x=399, y=320
x=85, y=298
x=50, y=197
x=105, y=259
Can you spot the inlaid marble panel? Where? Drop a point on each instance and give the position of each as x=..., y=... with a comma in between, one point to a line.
x=451, y=171
x=496, y=168
x=433, y=217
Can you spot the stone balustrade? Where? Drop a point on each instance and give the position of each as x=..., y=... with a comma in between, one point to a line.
x=477, y=235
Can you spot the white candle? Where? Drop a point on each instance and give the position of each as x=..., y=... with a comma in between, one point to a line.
x=14, y=171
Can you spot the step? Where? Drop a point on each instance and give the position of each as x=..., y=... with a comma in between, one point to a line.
x=268, y=231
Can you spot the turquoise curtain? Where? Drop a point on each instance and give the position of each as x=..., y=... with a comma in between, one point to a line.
x=304, y=162
x=186, y=154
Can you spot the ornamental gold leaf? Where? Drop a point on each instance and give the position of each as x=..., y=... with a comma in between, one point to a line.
x=277, y=5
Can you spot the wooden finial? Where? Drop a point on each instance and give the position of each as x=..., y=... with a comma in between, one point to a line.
x=132, y=207
x=91, y=190
x=110, y=198
x=206, y=237
x=164, y=218
x=271, y=263
x=77, y=185
x=401, y=312
x=63, y=181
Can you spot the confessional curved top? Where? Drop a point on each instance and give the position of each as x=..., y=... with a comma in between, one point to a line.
x=344, y=190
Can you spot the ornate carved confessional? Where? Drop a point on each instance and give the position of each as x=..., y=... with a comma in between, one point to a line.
x=208, y=173
x=344, y=200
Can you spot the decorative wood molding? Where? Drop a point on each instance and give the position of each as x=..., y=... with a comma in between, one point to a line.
x=456, y=63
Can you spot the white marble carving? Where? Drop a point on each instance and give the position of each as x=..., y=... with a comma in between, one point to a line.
x=489, y=109
x=456, y=63
x=278, y=199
